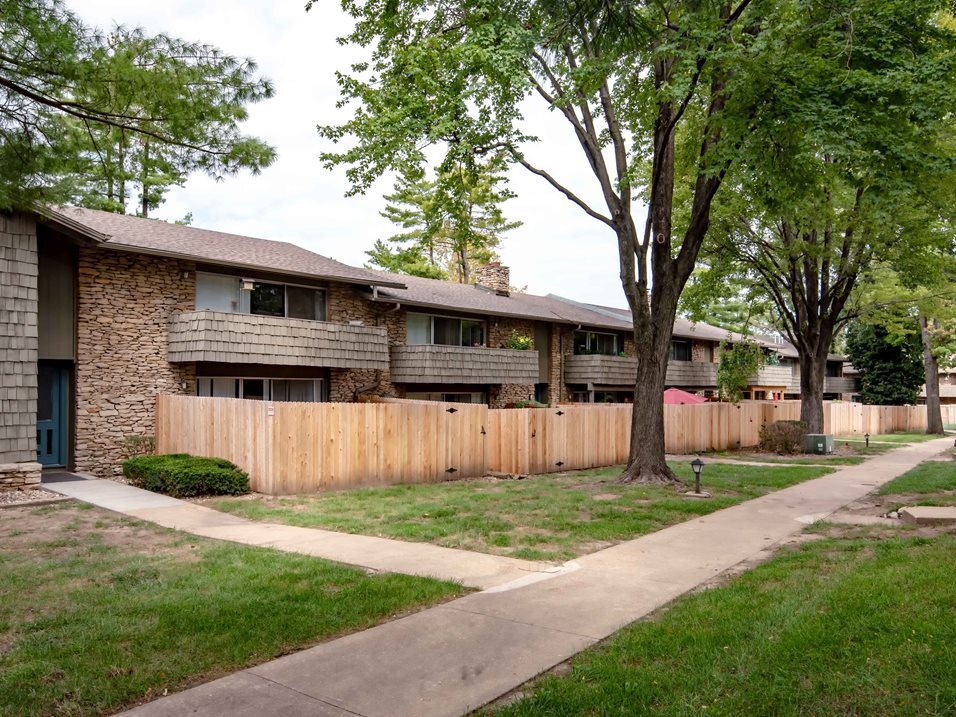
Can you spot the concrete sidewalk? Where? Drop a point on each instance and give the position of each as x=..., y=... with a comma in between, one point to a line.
x=477, y=570
x=456, y=657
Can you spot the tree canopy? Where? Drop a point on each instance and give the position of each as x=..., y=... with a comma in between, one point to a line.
x=891, y=368
x=451, y=224
x=85, y=115
x=847, y=168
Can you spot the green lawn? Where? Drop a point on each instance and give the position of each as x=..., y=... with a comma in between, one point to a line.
x=789, y=460
x=841, y=627
x=890, y=438
x=99, y=612
x=932, y=483
x=550, y=517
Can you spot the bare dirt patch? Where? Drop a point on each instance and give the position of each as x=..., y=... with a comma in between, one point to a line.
x=62, y=527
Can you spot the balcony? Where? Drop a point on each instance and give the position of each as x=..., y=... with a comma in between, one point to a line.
x=839, y=384
x=224, y=337
x=622, y=371
x=773, y=377
x=600, y=370
x=437, y=364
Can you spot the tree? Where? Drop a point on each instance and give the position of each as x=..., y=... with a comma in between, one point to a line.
x=84, y=116
x=738, y=363
x=452, y=223
x=844, y=169
x=652, y=93
x=919, y=301
x=891, y=370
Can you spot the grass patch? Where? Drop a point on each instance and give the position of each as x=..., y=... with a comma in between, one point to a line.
x=930, y=483
x=840, y=627
x=831, y=460
x=891, y=438
x=99, y=612
x=550, y=517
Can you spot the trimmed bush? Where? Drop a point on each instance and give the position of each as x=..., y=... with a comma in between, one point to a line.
x=783, y=437
x=182, y=476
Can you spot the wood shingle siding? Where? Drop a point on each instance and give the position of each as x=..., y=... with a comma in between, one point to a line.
x=18, y=351
x=463, y=364
x=223, y=337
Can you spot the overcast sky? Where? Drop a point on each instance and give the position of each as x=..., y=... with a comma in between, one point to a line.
x=558, y=249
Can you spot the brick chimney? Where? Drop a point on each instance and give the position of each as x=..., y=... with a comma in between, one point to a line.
x=495, y=277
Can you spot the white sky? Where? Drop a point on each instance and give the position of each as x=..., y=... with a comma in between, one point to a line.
x=558, y=249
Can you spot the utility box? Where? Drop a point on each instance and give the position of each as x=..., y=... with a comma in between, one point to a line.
x=821, y=443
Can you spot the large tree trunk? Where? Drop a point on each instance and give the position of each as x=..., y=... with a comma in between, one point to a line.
x=647, y=460
x=934, y=416
x=812, y=376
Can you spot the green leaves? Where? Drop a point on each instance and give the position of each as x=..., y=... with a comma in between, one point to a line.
x=452, y=223
x=116, y=108
x=738, y=363
x=891, y=367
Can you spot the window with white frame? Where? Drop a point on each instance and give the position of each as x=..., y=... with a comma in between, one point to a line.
x=263, y=298
x=263, y=389
x=444, y=330
x=595, y=342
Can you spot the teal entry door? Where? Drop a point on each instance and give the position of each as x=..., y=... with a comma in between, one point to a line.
x=52, y=398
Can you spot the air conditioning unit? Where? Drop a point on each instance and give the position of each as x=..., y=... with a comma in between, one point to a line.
x=820, y=443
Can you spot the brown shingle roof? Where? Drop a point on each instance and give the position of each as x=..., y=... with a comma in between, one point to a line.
x=152, y=236
x=451, y=296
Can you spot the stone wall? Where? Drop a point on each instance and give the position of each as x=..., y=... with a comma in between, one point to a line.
x=124, y=304
x=501, y=395
x=500, y=329
x=18, y=351
x=494, y=276
x=704, y=351
x=346, y=303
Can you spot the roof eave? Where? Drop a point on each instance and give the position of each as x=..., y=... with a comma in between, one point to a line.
x=252, y=267
x=69, y=225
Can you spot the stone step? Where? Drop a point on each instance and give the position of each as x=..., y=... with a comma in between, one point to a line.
x=929, y=515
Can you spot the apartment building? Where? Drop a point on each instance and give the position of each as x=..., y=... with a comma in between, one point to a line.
x=101, y=312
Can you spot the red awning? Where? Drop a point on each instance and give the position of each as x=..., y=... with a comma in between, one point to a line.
x=676, y=397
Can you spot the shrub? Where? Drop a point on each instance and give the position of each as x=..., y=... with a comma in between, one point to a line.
x=783, y=436
x=519, y=342
x=139, y=446
x=182, y=476
x=531, y=403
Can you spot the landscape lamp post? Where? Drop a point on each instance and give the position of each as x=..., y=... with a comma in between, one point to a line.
x=698, y=465
x=866, y=437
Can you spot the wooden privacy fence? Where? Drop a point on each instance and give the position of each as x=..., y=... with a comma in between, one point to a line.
x=307, y=447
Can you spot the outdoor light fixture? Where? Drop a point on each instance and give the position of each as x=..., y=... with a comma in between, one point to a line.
x=866, y=437
x=248, y=285
x=698, y=465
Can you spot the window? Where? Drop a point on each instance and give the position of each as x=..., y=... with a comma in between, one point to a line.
x=304, y=303
x=224, y=293
x=296, y=390
x=219, y=293
x=267, y=300
x=419, y=329
x=592, y=342
x=444, y=331
x=680, y=351
x=834, y=369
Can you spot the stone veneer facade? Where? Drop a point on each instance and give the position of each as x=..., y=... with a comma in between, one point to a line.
x=499, y=336
x=18, y=351
x=124, y=304
x=345, y=304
